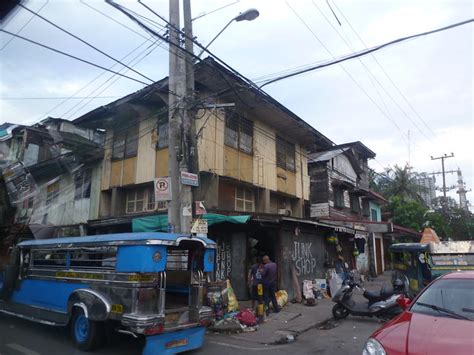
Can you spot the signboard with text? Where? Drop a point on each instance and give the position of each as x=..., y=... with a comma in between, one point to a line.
x=189, y=179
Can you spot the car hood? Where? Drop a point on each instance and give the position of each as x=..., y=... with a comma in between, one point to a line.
x=416, y=333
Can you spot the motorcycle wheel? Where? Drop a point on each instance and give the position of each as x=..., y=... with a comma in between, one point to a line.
x=339, y=311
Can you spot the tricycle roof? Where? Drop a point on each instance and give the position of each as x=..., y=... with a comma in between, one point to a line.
x=146, y=238
x=400, y=247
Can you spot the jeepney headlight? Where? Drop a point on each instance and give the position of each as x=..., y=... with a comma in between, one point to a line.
x=373, y=347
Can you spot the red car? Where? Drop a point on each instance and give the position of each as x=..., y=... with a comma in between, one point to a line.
x=440, y=320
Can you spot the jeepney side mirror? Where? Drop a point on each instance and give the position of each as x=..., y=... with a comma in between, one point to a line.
x=403, y=302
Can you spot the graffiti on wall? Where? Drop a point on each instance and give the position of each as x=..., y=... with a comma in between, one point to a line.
x=223, y=260
x=304, y=261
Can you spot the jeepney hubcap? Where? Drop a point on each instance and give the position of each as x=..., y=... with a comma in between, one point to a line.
x=81, y=328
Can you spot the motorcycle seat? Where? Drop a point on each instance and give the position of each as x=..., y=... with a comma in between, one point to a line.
x=375, y=296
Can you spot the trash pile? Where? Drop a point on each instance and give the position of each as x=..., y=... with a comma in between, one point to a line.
x=314, y=290
x=228, y=319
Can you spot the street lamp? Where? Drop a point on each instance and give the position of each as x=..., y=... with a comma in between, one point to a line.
x=249, y=15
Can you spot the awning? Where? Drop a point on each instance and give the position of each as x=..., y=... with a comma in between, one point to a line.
x=159, y=222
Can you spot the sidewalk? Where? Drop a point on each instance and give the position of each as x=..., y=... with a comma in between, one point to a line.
x=295, y=318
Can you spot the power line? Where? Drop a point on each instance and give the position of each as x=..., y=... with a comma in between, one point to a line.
x=371, y=75
x=71, y=56
x=345, y=70
x=152, y=46
x=85, y=42
x=56, y=98
x=364, y=52
x=386, y=74
x=22, y=27
x=114, y=20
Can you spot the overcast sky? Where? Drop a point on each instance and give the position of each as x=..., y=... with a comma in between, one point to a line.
x=423, y=86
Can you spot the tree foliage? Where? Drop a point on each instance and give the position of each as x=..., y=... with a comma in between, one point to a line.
x=409, y=214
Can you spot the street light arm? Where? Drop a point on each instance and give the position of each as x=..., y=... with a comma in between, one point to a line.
x=228, y=24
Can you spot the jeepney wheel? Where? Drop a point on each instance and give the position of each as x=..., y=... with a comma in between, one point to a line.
x=339, y=311
x=86, y=334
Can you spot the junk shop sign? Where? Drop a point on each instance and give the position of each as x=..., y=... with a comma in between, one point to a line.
x=304, y=261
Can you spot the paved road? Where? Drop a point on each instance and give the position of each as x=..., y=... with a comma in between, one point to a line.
x=20, y=337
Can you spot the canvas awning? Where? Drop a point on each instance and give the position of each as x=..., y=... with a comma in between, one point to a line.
x=159, y=222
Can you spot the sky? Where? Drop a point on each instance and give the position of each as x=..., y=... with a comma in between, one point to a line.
x=408, y=102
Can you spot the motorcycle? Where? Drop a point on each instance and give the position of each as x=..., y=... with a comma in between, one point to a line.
x=382, y=304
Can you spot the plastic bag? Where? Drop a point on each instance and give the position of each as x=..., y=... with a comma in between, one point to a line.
x=308, y=289
x=247, y=317
x=281, y=297
x=232, y=304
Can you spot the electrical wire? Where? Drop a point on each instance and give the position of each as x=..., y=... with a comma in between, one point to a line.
x=72, y=56
x=85, y=42
x=347, y=72
x=114, y=20
x=386, y=74
x=372, y=76
x=364, y=52
x=57, y=98
x=23, y=27
x=137, y=60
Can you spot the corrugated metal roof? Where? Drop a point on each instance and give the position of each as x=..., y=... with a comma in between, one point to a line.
x=325, y=156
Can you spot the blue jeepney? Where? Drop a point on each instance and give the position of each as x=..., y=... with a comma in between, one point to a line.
x=142, y=284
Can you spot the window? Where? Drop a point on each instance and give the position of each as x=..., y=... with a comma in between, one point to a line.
x=135, y=200
x=374, y=215
x=163, y=135
x=94, y=258
x=49, y=259
x=338, y=197
x=153, y=205
x=82, y=184
x=125, y=143
x=143, y=199
x=244, y=199
x=355, y=204
x=285, y=152
x=365, y=207
x=52, y=193
x=238, y=133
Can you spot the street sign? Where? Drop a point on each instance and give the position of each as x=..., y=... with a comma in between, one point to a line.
x=189, y=179
x=162, y=189
x=199, y=226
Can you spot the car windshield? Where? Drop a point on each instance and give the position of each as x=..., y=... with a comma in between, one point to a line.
x=447, y=298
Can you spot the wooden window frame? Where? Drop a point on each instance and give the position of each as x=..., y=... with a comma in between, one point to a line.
x=163, y=135
x=238, y=133
x=354, y=207
x=248, y=197
x=82, y=184
x=338, y=202
x=285, y=154
x=129, y=148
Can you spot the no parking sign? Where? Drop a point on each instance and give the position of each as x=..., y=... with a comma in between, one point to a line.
x=162, y=189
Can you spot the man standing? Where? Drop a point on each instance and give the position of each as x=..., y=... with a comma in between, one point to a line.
x=254, y=278
x=269, y=279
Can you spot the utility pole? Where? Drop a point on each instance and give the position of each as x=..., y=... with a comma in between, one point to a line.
x=177, y=91
x=180, y=146
x=443, y=157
